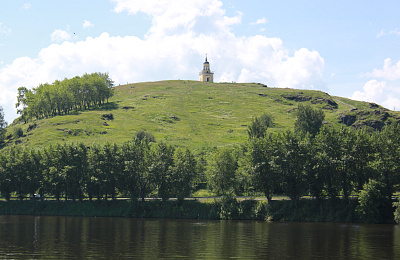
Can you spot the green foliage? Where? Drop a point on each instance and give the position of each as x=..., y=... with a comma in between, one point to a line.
x=161, y=167
x=229, y=208
x=18, y=132
x=221, y=171
x=3, y=125
x=64, y=96
x=188, y=114
x=314, y=211
x=135, y=176
x=336, y=163
x=374, y=206
x=309, y=120
x=142, y=134
x=387, y=158
x=290, y=162
x=183, y=174
x=396, y=206
x=261, y=154
x=259, y=126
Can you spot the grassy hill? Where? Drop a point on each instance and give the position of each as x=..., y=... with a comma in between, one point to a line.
x=193, y=114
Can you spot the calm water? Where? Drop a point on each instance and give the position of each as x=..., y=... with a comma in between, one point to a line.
x=27, y=237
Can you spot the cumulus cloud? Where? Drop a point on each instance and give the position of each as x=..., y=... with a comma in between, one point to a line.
x=380, y=92
x=60, y=36
x=87, y=24
x=371, y=90
x=389, y=71
x=182, y=32
x=385, y=90
x=180, y=16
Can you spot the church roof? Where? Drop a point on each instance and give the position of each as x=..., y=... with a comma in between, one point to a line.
x=206, y=62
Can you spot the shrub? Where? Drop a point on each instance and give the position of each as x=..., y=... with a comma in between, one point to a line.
x=229, y=208
x=142, y=134
x=396, y=205
x=17, y=133
x=373, y=206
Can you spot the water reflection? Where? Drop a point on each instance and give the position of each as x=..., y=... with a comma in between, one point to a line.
x=25, y=237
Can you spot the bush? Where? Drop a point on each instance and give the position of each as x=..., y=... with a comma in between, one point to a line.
x=17, y=133
x=142, y=134
x=396, y=205
x=229, y=208
x=373, y=206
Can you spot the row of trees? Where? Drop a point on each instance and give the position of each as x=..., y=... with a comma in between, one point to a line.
x=62, y=97
x=336, y=162
x=313, y=160
x=135, y=169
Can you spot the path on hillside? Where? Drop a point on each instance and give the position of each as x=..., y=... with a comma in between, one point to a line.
x=340, y=101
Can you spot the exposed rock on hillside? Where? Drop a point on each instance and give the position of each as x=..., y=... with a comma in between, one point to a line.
x=376, y=118
x=31, y=127
x=297, y=97
x=301, y=97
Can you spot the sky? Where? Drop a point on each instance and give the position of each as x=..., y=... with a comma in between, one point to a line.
x=345, y=48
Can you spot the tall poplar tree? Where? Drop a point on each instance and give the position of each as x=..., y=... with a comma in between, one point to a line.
x=3, y=125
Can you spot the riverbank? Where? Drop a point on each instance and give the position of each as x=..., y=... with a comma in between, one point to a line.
x=228, y=208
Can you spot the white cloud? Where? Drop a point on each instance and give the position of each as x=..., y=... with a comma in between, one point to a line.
x=60, y=36
x=380, y=92
x=384, y=33
x=4, y=29
x=260, y=21
x=385, y=91
x=372, y=90
x=87, y=24
x=388, y=71
x=26, y=6
x=181, y=16
x=181, y=33
x=303, y=70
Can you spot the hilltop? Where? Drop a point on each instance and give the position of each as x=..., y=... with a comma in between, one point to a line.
x=193, y=114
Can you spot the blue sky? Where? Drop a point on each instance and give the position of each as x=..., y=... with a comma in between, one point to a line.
x=345, y=48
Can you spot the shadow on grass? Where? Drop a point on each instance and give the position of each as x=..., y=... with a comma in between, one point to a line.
x=107, y=107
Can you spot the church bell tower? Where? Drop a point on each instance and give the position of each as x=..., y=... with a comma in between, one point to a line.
x=206, y=75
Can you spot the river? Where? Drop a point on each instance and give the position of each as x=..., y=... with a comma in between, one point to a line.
x=45, y=237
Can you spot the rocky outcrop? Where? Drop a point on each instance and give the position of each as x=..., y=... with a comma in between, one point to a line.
x=347, y=119
x=301, y=97
x=376, y=119
x=331, y=104
x=297, y=97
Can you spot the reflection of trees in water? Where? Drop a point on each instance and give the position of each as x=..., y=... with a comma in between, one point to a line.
x=116, y=238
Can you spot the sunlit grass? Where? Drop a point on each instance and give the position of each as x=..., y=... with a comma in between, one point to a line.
x=190, y=114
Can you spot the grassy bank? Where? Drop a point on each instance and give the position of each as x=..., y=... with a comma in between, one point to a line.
x=283, y=210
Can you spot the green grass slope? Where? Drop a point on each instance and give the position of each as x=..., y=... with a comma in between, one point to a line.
x=184, y=113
